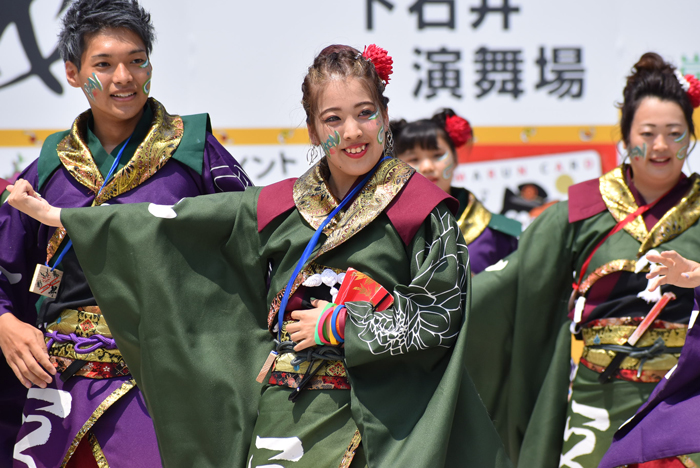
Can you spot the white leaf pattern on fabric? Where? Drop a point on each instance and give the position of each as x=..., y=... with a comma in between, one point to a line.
x=498, y=266
x=162, y=211
x=427, y=313
x=13, y=278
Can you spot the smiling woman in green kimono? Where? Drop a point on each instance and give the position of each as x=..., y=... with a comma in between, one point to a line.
x=196, y=300
x=519, y=350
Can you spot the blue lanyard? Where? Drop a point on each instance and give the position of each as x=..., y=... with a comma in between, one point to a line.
x=314, y=240
x=69, y=244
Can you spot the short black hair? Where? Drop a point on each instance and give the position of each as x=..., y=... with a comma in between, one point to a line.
x=91, y=16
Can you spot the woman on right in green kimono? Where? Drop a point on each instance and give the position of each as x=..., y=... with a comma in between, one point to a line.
x=549, y=411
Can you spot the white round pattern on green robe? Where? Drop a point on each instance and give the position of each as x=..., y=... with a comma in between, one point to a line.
x=162, y=211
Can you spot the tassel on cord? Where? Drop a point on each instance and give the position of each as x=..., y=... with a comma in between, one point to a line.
x=647, y=295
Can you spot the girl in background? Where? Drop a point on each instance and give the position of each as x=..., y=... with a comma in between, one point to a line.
x=430, y=147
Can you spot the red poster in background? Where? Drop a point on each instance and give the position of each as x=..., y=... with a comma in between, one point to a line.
x=521, y=180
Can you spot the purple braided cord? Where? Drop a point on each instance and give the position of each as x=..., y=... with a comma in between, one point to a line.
x=93, y=342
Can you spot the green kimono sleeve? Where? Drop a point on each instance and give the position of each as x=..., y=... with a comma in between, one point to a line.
x=183, y=291
x=519, y=309
x=412, y=399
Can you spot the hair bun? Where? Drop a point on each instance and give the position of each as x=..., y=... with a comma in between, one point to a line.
x=651, y=61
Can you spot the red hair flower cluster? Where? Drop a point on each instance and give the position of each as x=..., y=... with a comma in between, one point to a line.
x=458, y=129
x=693, y=90
x=381, y=60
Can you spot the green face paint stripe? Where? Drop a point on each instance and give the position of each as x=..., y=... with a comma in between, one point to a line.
x=332, y=141
x=374, y=116
x=145, y=64
x=442, y=158
x=380, y=136
x=447, y=173
x=93, y=84
x=638, y=152
x=147, y=87
x=682, y=153
x=680, y=138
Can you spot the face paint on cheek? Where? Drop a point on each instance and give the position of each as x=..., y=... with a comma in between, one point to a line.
x=680, y=138
x=145, y=64
x=331, y=143
x=682, y=153
x=639, y=152
x=380, y=135
x=92, y=86
x=447, y=173
x=374, y=116
x=147, y=87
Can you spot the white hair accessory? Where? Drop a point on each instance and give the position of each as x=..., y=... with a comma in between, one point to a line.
x=682, y=80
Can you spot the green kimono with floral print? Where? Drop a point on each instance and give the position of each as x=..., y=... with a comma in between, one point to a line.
x=185, y=291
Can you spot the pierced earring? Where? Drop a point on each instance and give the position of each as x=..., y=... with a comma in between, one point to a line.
x=389, y=148
x=315, y=152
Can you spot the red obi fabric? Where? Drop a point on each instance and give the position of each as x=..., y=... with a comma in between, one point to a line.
x=673, y=462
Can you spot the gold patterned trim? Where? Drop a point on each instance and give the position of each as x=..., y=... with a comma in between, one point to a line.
x=687, y=462
x=283, y=363
x=352, y=448
x=97, y=451
x=620, y=202
x=104, y=406
x=608, y=268
x=673, y=334
x=154, y=151
x=84, y=324
x=474, y=219
x=314, y=201
x=677, y=219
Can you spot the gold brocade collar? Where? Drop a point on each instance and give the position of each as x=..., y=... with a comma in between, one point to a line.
x=314, y=201
x=474, y=219
x=620, y=202
x=154, y=151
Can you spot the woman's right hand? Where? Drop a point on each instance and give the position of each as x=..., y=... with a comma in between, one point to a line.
x=25, y=199
x=673, y=269
x=25, y=351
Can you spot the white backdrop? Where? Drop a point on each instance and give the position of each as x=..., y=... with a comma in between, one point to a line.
x=243, y=62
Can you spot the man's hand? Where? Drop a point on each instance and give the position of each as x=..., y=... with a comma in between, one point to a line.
x=25, y=351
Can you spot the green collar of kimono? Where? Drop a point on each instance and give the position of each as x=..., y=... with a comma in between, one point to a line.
x=155, y=141
x=620, y=202
x=314, y=200
x=104, y=160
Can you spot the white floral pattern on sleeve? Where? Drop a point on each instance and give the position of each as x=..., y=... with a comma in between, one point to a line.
x=428, y=312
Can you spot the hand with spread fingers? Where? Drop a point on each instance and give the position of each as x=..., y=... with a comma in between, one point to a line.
x=302, y=332
x=24, y=198
x=673, y=269
x=25, y=350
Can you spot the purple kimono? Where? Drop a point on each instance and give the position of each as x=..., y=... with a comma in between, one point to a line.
x=110, y=410
x=668, y=424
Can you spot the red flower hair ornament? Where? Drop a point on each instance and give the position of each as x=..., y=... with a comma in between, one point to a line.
x=691, y=86
x=381, y=60
x=458, y=129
